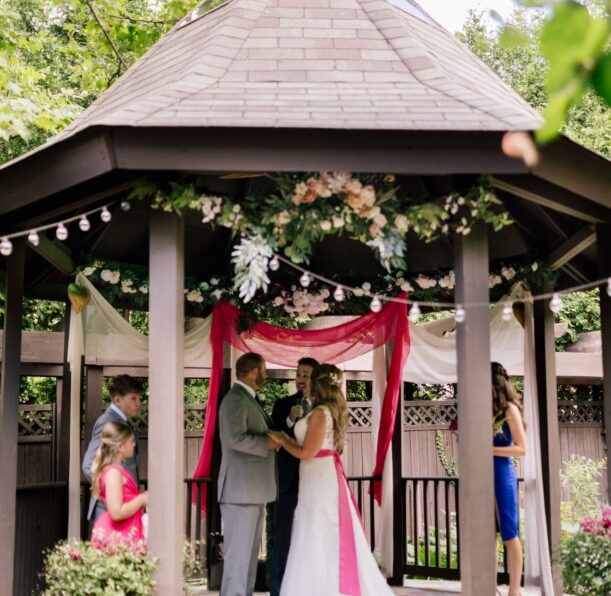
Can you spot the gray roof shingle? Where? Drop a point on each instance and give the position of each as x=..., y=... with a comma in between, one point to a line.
x=337, y=64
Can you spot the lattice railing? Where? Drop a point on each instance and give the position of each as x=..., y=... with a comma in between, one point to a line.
x=36, y=420
x=585, y=413
x=195, y=416
x=360, y=415
x=427, y=413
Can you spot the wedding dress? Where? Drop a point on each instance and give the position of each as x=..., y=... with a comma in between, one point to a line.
x=313, y=565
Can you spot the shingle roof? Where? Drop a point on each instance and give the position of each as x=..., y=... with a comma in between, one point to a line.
x=356, y=64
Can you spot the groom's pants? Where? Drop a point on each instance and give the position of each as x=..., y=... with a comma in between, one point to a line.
x=242, y=529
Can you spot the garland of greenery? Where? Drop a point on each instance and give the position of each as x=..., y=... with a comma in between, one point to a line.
x=301, y=209
x=448, y=465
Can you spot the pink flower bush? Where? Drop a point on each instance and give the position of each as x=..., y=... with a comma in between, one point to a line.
x=599, y=526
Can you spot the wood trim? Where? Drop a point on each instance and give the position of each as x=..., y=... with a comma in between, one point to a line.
x=476, y=487
x=9, y=412
x=55, y=253
x=571, y=247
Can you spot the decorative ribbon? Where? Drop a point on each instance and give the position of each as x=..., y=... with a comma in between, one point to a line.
x=348, y=565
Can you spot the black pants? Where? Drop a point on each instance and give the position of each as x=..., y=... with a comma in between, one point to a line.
x=284, y=508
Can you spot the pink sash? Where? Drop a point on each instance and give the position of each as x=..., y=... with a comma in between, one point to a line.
x=348, y=567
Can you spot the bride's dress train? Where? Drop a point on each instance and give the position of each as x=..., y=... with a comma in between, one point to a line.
x=313, y=563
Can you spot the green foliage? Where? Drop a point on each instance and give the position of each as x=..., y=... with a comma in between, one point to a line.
x=581, y=310
x=531, y=45
x=449, y=465
x=73, y=568
x=586, y=564
x=37, y=390
x=196, y=391
x=37, y=315
x=581, y=477
x=358, y=390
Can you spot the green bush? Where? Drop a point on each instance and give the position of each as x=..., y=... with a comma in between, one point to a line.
x=75, y=568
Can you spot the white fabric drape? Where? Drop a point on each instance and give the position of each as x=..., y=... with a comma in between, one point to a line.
x=537, y=567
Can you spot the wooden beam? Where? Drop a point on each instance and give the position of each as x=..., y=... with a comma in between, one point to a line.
x=545, y=361
x=553, y=197
x=55, y=253
x=476, y=486
x=603, y=239
x=9, y=412
x=570, y=248
x=166, y=400
x=63, y=410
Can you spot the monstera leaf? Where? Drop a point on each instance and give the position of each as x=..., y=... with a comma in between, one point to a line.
x=79, y=296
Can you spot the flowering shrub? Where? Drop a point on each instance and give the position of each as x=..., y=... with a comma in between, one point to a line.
x=74, y=568
x=586, y=557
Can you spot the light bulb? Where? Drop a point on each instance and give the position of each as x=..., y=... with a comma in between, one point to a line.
x=555, y=303
x=305, y=279
x=33, y=238
x=105, y=216
x=609, y=287
x=274, y=264
x=125, y=205
x=61, y=232
x=460, y=314
x=84, y=224
x=6, y=247
x=339, y=294
x=376, y=304
x=414, y=312
x=507, y=311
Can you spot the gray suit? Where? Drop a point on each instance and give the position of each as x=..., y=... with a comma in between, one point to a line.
x=247, y=480
x=96, y=507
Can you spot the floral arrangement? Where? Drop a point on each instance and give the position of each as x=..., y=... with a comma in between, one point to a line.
x=76, y=567
x=586, y=557
x=299, y=210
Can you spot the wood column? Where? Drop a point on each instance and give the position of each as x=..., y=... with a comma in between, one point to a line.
x=603, y=240
x=476, y=487
x=9, y=412
x=94, y=406
x=166, y=400
x=63, y=409
x=547, y=396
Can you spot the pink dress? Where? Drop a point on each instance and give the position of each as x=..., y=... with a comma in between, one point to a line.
x=107, y=532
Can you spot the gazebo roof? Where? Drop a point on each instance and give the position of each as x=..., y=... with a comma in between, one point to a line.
x=310, y=64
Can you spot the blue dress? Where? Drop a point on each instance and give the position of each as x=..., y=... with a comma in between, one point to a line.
x=505, y=488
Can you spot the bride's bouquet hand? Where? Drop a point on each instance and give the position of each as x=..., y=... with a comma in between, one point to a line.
x=278, y=437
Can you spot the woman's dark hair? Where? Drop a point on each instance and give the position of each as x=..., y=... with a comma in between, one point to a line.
x=503, y=392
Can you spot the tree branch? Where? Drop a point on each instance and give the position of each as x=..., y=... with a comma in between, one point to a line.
x=120, y=60
x=136, y=20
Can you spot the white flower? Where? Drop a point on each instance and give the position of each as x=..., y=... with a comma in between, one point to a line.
x=195, y=296
x=88, y=271
x=217, y=293
x=236, y=208
x=144, y=289
x=401, y=223
x=508, y=273
x=325, y=225
x=283, y=218
x=461, y=200
x=366, y=286
x=358, y=292
x=494, y=280
x=214, y=281
x=380, y=220
x=278, y=301
x=534, y=266
x=454, y=209
x=112, y=277
x=338, y=222
x=426, y=282
x=407, y=287
x=126, y=286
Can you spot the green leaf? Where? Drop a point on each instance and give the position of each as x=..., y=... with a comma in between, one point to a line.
x=601, y=78
x=511, y=37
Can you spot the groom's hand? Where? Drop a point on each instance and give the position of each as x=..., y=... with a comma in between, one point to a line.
x=296, y=413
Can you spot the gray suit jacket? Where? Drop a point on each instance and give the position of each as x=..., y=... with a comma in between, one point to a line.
x=131, y=465
x=248, y=467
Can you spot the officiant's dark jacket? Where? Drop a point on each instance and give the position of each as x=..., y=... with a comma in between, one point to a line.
x=288, y=466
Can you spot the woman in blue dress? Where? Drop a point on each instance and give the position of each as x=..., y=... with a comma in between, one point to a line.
x=509, y=441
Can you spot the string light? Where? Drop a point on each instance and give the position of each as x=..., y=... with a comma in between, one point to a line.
x=34, y=238
x=6, y=247
x=274, y=264
x=125, y=205
x=609, y=287
x=61, y=232
x=105, y=216
x=84, y=224
x=555, y=303
x=507, y=311
x=460, y=314
x=414, y=312
x=305, y=279
x=376, y=304
x=338, y=294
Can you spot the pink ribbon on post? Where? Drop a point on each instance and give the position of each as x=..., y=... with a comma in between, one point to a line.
x=348, y=565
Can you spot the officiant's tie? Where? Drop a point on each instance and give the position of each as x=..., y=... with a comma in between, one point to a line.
x=348, y=564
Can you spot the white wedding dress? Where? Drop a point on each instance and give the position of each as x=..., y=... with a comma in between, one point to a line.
x=312, y=568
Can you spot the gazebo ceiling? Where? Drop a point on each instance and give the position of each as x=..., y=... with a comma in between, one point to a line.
x=303, y=85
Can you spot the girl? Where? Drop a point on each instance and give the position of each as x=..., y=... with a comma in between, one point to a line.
x=509, y=441
x=122, y=520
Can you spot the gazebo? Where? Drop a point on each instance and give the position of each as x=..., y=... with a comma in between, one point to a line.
x=258, y=86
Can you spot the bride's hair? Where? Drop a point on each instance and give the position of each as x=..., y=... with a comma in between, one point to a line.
x=113, y=434
x=326, y=390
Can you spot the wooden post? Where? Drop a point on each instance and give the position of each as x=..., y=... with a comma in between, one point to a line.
x=94, y=406
x=9, y=412
x=63, y=409
x=166, y=400
x=603, y=239
x=547, y=395
x=476, y=488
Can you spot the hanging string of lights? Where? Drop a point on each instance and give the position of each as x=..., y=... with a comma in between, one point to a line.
x=339, y=293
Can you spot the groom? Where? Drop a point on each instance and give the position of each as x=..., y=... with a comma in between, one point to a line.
x=285, y=414
x=247, y=478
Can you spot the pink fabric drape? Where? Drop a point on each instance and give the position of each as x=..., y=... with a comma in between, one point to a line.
x=333, y=345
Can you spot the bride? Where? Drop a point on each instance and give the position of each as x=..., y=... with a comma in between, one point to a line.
x=329, y=553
